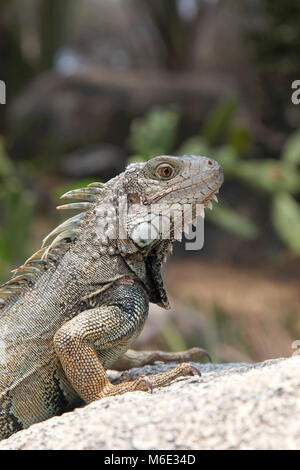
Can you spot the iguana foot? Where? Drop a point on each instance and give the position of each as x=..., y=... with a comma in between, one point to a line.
x=147, y=383
x=134, y=358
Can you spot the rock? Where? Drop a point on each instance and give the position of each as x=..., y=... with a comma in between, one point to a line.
x=232, y=406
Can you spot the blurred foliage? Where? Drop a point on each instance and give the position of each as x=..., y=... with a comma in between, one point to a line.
x=275, y=44
x=286, y=219
x=176, y=35
x=172, y=337
x=291, y=150
x=279, y=49
x=51, y=32
x=16, y=208
x=227, y=141
x=229, y=220
x=156, y=135
x=218, y=121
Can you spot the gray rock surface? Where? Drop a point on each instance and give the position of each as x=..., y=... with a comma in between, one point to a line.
x=232, y=406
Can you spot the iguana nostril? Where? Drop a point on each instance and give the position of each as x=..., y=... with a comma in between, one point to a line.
x=210, y=163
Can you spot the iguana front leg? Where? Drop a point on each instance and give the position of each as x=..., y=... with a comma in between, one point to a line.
x=98, y=336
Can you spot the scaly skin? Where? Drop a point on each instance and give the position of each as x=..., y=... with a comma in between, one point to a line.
x=75, y=307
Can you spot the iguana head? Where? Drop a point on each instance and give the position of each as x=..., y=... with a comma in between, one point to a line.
x=160, y=189
x=169, y=179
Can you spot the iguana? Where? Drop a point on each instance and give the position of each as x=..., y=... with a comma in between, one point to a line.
x=77, y=304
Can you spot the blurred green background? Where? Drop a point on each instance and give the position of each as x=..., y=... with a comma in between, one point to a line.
x=95, y=84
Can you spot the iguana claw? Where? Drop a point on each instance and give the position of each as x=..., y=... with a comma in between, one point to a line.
x=148, y=383
x=195, y=371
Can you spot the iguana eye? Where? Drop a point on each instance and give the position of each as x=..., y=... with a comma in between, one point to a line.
x=165, y=171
